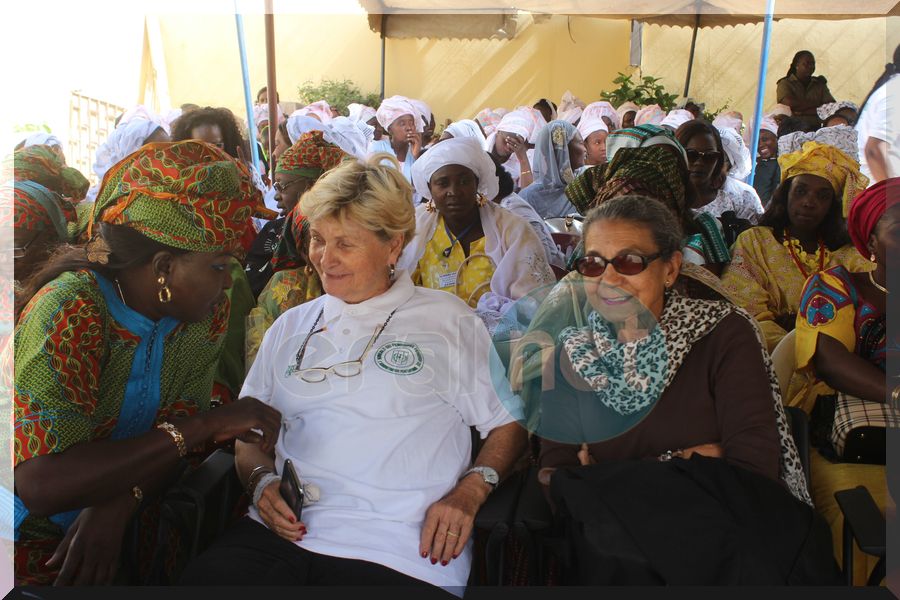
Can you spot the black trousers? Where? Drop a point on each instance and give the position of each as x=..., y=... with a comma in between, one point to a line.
x=250, y=554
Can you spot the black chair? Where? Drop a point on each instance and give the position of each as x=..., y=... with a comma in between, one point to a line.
x=199, y=508
x=533, y=519
x=865, y=525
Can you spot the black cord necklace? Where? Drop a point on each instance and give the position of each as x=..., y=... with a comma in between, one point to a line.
x=454, y=240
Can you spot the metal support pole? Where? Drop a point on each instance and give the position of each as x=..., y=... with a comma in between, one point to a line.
x=270, y=79
x=760, y=90
x=687, y=80
x=248, y=101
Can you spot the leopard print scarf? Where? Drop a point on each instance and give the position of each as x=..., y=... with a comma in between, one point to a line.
x=647, y=366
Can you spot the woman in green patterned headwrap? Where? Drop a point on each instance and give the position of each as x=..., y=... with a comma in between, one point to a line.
x=658, y=171
x=44, y=195
x=116, y=347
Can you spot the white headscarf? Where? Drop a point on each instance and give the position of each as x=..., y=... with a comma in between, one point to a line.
x=124, y=140
x=626, y=107
x=142, y=113
x=261, y=114
x=490, y=118
x=462, y=151
x=524, y=121
x=729, y=120
x=299, y=123
x=320, y=109
x=424, y=110
x=520, y=262
x=676, y=118
x=467, y=128
x=737, y=153
x=395, y=107
x=360, y=112
x=767, y=124
x=649, y=115
x=779, y=109
x=348, y=136
x=830, y=109
x=587, y=126
x=570, y=108
x=602, y=109
x=42, y=139
x=842, y=137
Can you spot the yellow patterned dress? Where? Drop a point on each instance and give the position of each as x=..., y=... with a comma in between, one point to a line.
x=440, y=272
x=285, y=290
x=764, y=277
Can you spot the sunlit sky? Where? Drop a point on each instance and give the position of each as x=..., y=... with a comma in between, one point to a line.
x=50, y=48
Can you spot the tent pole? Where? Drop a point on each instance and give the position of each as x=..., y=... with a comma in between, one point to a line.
x=248, y=101
x=383, y=48
x=687, y=81
x=760, y=90
x=270, y=78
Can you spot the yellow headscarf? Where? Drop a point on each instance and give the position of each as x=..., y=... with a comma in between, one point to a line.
x=825, y=161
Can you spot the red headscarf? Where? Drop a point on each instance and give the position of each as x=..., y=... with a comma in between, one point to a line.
x=866, y=210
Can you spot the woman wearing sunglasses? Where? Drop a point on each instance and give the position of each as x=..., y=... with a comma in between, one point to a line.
x=802, y=233
x=465, y=244
x=379, y=382
x=708, y=166
x=700, y=387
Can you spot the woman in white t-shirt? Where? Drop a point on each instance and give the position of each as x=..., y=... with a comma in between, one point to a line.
x=378, y=382
x=879, y=126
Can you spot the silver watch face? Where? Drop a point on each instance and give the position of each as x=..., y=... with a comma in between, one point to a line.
x=489, y=474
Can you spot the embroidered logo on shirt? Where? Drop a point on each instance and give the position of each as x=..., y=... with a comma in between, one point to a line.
x=400, y=358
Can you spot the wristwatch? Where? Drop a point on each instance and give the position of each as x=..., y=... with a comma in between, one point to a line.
x=489, y=475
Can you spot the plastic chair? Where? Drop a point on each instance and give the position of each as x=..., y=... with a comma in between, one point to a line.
x=784, y=359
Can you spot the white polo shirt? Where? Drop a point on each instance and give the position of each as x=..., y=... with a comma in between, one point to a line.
x=384, y=445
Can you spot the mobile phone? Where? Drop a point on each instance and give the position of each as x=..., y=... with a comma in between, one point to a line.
x=290, y=488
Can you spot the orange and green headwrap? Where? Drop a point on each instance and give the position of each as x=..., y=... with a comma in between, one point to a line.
x=310, y=156
x=829, y=163
x=292, y=251
x=43, y=165
x=188, y=195
x=36, y=208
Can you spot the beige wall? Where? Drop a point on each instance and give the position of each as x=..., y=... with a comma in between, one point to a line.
x=456, y=77
x=850, y=54
x=460, y=77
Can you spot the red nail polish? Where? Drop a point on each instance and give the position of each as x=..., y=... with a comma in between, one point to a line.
x=444, y=563
x=455, y=556
x=433, y=561
x=424, y=555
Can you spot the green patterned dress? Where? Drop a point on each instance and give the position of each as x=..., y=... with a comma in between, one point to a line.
x=88, y=368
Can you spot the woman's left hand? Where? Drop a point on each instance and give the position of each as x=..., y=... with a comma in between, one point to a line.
x=450, y=520
x=89, y=552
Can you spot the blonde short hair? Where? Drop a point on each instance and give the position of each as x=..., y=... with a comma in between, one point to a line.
x=371, y=194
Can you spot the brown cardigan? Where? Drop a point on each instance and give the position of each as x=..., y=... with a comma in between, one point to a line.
x=721, y=394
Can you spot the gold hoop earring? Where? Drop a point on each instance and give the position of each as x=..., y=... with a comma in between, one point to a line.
x=481, y=200
x=429, y=206
x=164, y=294
x=308, y=270
x=392, y=270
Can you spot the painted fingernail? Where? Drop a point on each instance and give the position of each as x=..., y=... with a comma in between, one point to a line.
x=433, y=561
x=455, y=556
x=424, y=555
x=444, y=563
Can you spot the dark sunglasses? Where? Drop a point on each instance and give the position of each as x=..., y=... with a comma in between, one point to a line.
x=707, y=157
x=624, y=264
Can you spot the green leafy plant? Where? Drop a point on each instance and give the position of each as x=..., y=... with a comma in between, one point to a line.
x=338, y=94
x=711, y=115
x=32, y=128
x=646, y=91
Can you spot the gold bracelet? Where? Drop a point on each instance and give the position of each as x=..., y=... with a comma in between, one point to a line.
x=524, y=172
x=176, y=436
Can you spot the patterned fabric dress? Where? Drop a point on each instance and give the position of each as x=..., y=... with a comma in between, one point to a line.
x=831, y=306
x=76, y=355
x=438, y=272
x=764, y=279
x=285, y=290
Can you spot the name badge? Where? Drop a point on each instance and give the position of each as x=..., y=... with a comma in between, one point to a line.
x=446, y=280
